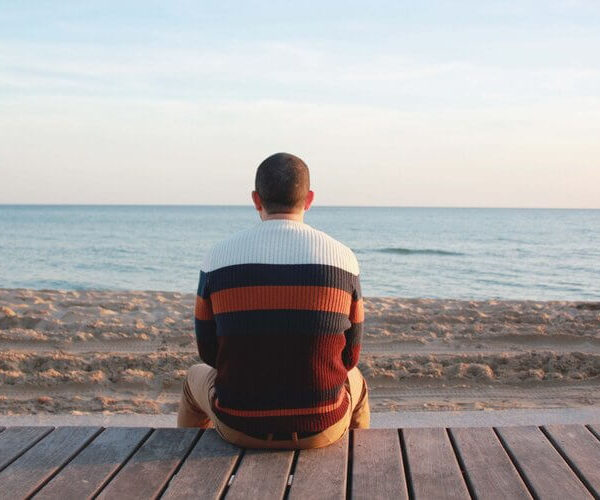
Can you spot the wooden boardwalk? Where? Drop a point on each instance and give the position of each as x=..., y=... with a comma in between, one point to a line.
x=554, y=461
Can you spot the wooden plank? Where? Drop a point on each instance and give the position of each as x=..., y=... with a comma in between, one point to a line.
x=545, y=471
x=490, y=471
x=582, y=450
x=38, y=464
x=206, y=470
x=433, y=467
x=322, y=472
x=377, y=467
x=16, y=440
x=85, y=475
x=150, y=469
x=595, y=429
x=262, y=474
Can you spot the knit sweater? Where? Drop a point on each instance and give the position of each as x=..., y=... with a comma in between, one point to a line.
x=279, y=314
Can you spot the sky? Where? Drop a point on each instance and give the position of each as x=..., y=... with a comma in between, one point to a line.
x=390, y=103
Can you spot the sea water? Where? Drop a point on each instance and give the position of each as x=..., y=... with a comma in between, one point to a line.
x=465, y=253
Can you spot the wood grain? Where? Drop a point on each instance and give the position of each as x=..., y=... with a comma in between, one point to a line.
x=262, y=474
x=582, y=450
x=322, y=472
x=85, y=475
x=206, y=470
x=434, y=469
x=487, y=465
x=151, y=467
x=547, y=474
x=16, y=440
x=377, y=468
x=32, y=469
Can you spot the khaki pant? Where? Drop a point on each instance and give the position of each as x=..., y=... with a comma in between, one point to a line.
x=195, y=410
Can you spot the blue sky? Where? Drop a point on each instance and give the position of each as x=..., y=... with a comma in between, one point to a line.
x=396, y=103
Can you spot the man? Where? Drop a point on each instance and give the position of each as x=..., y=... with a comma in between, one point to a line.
x=279, y=318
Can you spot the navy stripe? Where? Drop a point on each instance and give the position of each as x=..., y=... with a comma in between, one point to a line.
x=354, y=334
x=242, y=275
x=278, y=321
x=356, y=291
x=279, y=398
x=202, y=285
x=205, y=329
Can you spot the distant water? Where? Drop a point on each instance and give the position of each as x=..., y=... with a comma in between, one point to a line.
x=406, y=252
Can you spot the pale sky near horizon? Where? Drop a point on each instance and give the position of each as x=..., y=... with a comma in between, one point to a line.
x=471, y=103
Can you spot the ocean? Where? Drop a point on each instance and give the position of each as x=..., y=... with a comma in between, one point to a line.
x=462, y=253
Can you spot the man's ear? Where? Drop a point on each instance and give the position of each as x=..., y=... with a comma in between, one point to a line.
x=257, y=201
x=309, y=199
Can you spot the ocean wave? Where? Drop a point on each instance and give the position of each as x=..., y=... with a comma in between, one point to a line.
x=418, y=251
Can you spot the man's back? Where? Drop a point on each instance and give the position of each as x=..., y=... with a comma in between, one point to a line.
x=279, y=315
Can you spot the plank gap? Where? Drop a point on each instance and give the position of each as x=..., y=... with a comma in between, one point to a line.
x=288, y=486
x=112, y=476
x=25, y=450
x=591, y=429
x=180, y=464
x=569, y=462
x=236, y=466
x=516, y=464
x=61, y=467
x=118, y=469
x=461, y=464
x=409, y=485
x=349, y=465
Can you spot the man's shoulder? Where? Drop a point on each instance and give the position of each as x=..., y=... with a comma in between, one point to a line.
x=281, y=243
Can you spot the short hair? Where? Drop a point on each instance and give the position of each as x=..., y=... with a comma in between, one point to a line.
x=282, y=182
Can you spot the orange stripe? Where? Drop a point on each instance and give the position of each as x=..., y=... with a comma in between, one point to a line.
x=203, y=309
x=314, y=298
x=284, y=412
x=357, y=311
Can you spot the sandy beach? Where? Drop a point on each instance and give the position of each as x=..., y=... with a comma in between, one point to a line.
x=127, y=352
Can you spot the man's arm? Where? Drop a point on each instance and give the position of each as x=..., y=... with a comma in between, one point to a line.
x=206, y=328
x=353, y=334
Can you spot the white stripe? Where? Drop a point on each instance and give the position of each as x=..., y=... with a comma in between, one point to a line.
x=281, y=241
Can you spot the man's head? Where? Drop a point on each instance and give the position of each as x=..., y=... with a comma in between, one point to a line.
x=282, y=185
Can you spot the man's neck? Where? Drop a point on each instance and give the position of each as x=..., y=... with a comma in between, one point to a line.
x=298, y=217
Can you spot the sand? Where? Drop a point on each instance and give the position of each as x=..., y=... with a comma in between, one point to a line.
x=96, y=352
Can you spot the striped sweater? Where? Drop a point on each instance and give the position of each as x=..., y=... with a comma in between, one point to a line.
x=279, y=314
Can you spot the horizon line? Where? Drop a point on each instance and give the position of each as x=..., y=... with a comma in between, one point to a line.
x=314, y=207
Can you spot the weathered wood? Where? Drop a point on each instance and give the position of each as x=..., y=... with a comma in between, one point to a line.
x=546, y=473
x=206, y=470
x=14, y=441
x=595, y=430
x=85, y=475
x=38, y=464
x=377, y=468
x=582, y=450
x=151, y=467
x=488, y=467
x=262, y=474
x=433, y=467
x=322, y=472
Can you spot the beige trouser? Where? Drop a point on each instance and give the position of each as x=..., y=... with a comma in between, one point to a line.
x=195, y=410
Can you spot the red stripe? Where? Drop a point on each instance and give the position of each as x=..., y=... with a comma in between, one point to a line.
x=315, y=298
x=203, y=310
x=357, y=311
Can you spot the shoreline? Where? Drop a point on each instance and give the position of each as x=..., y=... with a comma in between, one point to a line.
x=126, y=352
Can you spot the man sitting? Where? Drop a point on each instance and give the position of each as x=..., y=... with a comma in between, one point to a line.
x=279, y=317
